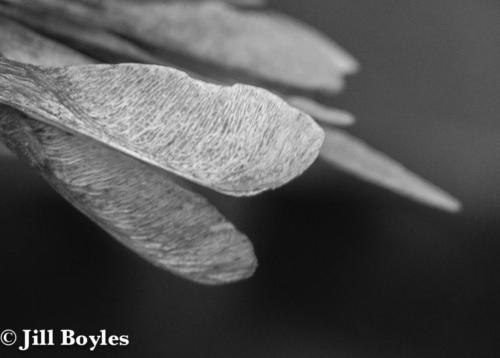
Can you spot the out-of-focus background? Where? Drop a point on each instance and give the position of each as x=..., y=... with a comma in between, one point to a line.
x=346, y=269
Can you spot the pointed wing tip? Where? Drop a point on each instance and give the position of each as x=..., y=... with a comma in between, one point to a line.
x=356, y=157
x=445, y=202
x=455, y=207
x=431, y=195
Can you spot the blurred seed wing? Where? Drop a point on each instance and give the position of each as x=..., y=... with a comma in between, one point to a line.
x=269, y=46
x=355, y=157
x=247, y=3
x=23, y=45
x=255, y=46
x=238, y=140
x=136, y=203
x=321, y=112
x=94, y=41
x=104, y=45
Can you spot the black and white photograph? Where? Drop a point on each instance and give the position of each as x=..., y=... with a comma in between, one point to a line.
x=250, y=178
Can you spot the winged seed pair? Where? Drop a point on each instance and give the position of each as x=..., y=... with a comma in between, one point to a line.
x=119, y=141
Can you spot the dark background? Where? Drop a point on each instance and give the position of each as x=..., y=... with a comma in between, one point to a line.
x=346, y=269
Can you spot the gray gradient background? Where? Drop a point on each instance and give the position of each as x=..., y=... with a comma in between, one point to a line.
x=346, y=269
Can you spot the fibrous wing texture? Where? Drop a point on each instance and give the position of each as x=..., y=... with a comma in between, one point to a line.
x=239, y=140
x=141, y=206
x=144, y=207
